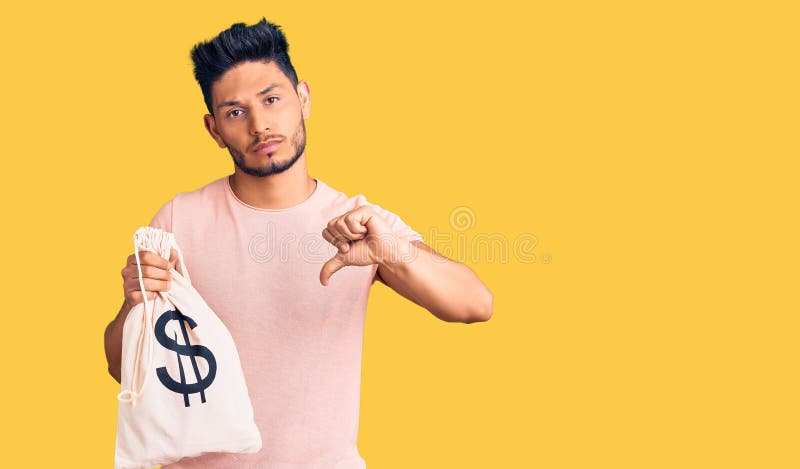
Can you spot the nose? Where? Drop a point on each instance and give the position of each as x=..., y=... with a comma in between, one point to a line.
x=260, y=122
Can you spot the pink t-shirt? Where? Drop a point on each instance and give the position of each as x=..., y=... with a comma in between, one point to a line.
x=299, y=342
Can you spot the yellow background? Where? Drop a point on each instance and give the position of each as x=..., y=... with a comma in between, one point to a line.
x=649, y=147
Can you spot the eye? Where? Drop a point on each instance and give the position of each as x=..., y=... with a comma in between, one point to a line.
x=235, y=113
x=272, y=97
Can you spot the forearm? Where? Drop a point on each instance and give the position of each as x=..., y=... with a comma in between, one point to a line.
x=448, y=289
x=113, y=342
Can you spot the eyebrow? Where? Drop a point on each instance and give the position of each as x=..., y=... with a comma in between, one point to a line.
x=262, y=92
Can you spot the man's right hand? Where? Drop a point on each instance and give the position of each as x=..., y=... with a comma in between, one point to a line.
x=155, y=275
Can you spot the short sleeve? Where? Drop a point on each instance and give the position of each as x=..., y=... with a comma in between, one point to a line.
x=163, y=218
x=398, y=225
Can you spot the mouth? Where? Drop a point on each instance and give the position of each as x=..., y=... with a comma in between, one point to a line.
x=266, y=147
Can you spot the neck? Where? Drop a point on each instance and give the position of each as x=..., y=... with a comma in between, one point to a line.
x=276, y=191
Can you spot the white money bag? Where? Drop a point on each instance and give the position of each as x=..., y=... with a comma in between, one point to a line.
x=183, y=392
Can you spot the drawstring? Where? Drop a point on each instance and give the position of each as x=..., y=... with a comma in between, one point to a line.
x=184, y=272
x=147, y=238
x=130, y=395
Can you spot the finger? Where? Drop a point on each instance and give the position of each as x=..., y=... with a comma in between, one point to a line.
x=340, y=243
x=173, y=258
x=334, y=264
x=328, y=236
x=338, y=228
x=333, y=229
x=354, y=225
x=132, y=284
x=149, y=285
x=149, y=258
x=136, y=297
x=344, y=229
x=148, y=271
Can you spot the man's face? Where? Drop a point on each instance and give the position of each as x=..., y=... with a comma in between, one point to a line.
x=259, y=117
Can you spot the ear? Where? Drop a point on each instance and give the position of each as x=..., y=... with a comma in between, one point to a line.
x=211, y=126
x=304, y=92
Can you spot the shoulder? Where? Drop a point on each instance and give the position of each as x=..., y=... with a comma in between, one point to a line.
x=189, y=203
x=214, y=190
x=339, y=202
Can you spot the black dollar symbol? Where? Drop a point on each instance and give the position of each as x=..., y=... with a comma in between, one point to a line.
x=191, y=351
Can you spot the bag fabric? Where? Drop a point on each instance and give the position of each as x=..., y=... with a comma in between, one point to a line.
x=183, y=392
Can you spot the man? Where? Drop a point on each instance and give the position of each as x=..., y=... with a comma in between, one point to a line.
x=286, y=261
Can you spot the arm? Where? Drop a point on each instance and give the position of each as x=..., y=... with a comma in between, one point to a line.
x=156, y=277
x=113, y=341
x=450, y=290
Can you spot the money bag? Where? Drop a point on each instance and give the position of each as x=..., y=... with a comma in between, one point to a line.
x=183, y=392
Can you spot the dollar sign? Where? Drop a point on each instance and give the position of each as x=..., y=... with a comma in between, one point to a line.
x=192, y=351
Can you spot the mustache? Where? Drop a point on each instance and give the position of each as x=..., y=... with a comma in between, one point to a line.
x=267, y=138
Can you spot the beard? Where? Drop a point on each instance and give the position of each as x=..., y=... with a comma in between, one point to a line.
x=298, y=141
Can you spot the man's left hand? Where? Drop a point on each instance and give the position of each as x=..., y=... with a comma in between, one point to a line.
x=361, y=236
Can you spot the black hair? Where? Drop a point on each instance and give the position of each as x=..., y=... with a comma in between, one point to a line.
x=261, y=42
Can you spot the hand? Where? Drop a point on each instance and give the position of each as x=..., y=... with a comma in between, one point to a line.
x=361, y=236
x=156, y=276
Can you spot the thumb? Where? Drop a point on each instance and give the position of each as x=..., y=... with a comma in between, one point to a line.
x=334, y=263
x=173, y=258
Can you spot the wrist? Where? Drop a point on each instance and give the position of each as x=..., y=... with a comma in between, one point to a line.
x=394, y=253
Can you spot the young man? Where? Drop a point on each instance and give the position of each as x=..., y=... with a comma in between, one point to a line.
x=287, y=262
